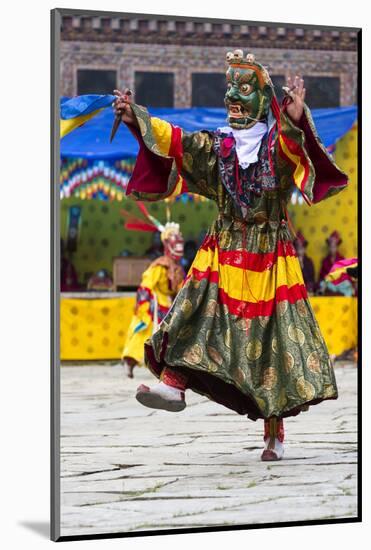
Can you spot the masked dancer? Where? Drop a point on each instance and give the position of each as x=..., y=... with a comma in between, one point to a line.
x=241, y=331
x=159, y=285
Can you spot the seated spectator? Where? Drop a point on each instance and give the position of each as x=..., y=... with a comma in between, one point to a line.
x=100, y=281
x=69, y=280
x=306, y=263
x=333, y=256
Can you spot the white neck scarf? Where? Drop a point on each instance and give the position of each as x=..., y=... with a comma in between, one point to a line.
x=248, y=142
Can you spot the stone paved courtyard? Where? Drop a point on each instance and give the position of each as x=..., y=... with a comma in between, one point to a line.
x=125, y=467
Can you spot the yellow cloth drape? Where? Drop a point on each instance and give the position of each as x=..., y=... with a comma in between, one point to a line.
x=94, y=329
x=337, y=319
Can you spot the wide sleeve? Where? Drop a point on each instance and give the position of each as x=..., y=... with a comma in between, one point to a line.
x=171, y=161
x=302, y=159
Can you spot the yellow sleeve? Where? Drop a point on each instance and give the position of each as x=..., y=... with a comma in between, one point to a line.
x=145, y=293
x=188, y=163
x=151, y=277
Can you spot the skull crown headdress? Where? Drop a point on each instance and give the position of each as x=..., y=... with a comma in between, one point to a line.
x=249, y=90
x=236, y=58
x=150, y=223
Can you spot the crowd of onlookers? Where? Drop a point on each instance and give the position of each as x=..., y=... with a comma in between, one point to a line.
x=322, y=286
x=315, y=286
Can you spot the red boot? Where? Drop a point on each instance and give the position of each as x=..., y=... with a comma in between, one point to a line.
x=273, y=439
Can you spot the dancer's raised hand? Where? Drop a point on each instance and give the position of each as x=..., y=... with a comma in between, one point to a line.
x=122, y=106
x=295, y=89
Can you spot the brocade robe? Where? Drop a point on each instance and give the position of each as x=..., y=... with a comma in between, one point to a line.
x=241, y=326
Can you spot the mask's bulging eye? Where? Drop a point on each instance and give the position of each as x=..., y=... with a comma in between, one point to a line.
x=245, y=88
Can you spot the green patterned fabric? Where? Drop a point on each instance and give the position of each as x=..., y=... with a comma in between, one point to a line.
x=280, y=361
x=260, y=365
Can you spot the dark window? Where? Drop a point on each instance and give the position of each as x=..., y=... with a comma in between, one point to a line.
x=154, y=89
x=208, y=89
x=322, y=91
x=92, y=81
x=278, y=81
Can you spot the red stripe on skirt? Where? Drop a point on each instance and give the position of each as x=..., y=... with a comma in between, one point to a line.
x=250, y=260
x=247, y=309
x=212, y=276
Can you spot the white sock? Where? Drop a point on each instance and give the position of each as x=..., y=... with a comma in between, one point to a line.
x=278, y=446
x=170, y=390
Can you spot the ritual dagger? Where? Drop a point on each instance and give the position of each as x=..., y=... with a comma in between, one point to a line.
x=116, y=122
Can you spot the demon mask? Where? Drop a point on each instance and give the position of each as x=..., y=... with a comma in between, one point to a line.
x=173, y=241
x=249, y=90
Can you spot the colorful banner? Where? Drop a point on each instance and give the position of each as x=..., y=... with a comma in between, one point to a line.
x=99, y=179
x=103, y=179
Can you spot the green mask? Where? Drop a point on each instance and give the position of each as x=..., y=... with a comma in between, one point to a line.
x=247, y=100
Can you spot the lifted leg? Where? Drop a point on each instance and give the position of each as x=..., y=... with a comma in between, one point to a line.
x=129, y=363
x=168, y=394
